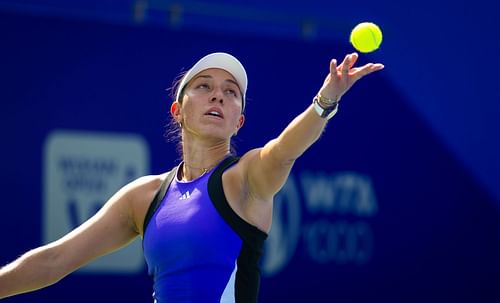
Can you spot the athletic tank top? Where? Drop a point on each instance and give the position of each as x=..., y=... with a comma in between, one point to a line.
x=197, y=248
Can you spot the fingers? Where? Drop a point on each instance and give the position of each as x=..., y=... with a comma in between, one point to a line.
x=346, y=70
x=354, y=58
x=365, y=70
x=333, y=68
x=346, y=65
x=370, y=68
x=349, y=62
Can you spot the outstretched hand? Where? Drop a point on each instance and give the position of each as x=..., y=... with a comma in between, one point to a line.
x=342, y=77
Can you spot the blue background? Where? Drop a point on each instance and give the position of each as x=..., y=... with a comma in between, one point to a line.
x=425, y=129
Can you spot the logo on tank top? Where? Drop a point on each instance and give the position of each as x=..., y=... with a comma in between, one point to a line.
x=185, y=195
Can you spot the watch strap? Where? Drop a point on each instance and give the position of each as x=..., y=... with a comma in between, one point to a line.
x=327, y=112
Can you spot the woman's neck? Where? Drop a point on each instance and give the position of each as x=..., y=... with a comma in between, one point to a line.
x=198, y=160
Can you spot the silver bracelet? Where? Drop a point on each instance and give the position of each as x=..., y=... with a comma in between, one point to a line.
x=325, y=102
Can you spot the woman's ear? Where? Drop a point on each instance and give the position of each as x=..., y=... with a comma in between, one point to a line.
x=175, y=110
x=241, y=121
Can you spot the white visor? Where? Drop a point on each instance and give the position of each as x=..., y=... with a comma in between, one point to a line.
x=223, y=61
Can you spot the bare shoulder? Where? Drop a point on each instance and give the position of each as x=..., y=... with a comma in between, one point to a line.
x=141, y=192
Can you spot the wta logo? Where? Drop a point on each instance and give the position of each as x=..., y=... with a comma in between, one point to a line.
x=326, y=217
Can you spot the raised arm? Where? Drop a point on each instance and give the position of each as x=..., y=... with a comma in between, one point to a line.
x=110, y=228
x=270, y=166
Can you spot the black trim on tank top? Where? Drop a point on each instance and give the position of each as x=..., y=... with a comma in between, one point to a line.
x=248, y=273
x=244, y=229
x=158, y=198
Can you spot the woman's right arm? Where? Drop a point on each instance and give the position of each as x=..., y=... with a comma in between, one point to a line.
x=112, y=227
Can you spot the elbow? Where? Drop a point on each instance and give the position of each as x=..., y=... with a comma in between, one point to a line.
x=281, y=154
x=289, y=161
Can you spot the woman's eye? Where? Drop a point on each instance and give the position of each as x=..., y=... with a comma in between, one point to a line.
x=203, y=86
x=231, y=92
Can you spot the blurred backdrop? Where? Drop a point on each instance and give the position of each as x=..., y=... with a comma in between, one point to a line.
x=398, y=201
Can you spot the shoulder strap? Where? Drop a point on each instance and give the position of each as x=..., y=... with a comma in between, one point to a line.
x=158, y=198
x=248, y=232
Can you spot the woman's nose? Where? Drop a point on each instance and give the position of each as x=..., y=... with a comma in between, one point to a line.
x=217, y=97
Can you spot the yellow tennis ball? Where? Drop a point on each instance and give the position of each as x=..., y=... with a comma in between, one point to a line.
x=366, y=37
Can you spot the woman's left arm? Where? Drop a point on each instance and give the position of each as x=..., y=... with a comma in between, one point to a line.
x=269, y=167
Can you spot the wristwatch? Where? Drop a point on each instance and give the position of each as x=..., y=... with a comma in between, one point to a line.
x=323, y=111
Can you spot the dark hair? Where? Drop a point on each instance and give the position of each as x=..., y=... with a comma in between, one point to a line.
x=173, y=131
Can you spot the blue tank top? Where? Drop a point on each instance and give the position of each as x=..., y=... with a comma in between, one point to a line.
x=198, y=249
